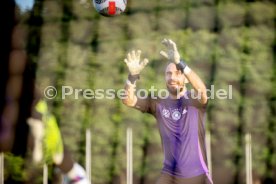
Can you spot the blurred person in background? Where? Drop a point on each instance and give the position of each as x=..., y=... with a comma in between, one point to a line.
x=47, y=145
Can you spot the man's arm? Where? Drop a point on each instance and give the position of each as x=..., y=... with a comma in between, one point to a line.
x=130, y=97
x=135, y=67
x=197, y=84
x=173, y=56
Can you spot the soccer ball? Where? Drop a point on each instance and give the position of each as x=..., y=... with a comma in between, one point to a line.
x=110, y=8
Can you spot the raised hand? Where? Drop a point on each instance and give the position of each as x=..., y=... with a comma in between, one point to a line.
x=135, y=66
x=172, y=53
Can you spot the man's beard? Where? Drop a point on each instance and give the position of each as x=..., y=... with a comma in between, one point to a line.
x=175, y=91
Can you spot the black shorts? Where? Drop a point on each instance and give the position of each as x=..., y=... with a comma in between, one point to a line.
x=165, y=178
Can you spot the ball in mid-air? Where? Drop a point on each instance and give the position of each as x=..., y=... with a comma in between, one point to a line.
x=110, y=7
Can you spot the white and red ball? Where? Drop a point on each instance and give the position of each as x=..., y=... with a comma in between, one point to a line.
x=110, y=7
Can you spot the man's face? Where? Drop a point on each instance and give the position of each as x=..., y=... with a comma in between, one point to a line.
x=174, y=79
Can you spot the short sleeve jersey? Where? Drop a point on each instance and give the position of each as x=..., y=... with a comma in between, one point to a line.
x=181, y=126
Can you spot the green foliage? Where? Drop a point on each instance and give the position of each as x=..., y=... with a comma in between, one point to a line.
x=231, y=14
x=202, y=17
x=262, y=13
x=14, y=167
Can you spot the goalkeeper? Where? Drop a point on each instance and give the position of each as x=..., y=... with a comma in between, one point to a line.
x=48, y=146
x=180, y=117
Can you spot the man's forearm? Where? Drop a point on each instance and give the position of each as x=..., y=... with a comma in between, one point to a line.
x=130, y=97
x=198, y=85
x=195, y=80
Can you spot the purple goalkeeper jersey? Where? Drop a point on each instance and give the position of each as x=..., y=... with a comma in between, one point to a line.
x=181, y=125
